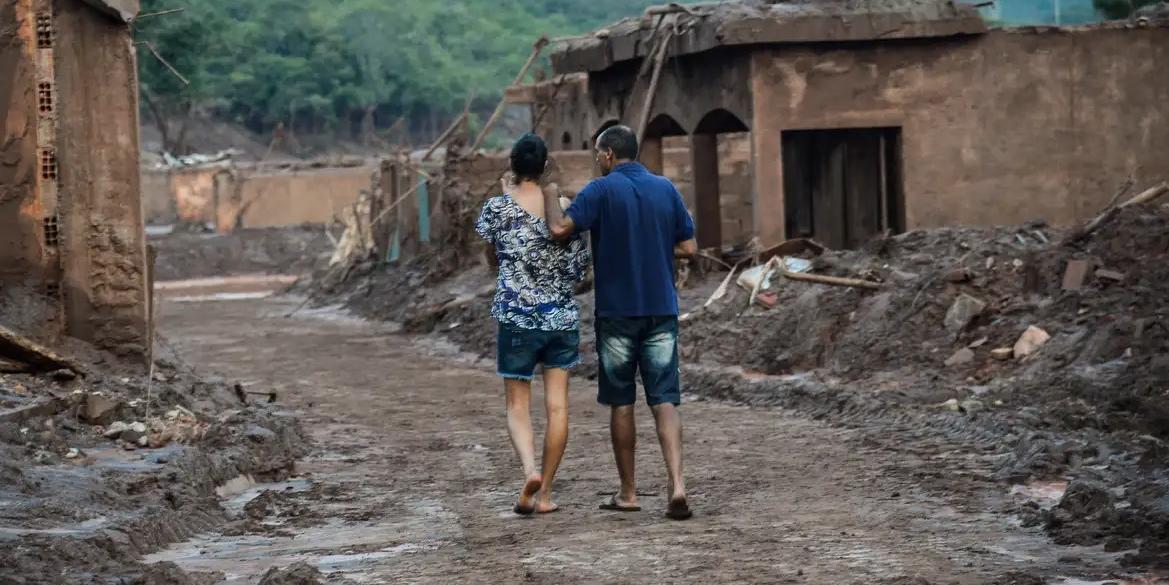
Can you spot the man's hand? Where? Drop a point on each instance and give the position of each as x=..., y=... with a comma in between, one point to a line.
x=559, y=225
x=687, y=249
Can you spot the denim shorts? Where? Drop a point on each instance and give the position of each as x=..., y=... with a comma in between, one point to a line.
x=520, y=350
x=627, y=345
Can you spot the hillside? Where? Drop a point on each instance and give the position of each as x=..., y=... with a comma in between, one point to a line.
x=347, y=68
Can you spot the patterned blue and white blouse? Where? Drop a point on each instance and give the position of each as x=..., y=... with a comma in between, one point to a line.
x=537, y=275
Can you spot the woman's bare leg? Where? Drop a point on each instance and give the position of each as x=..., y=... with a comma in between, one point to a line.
x=519, y=428
x=556, y=435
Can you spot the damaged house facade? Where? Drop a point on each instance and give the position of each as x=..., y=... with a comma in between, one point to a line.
x=860, y=119
x=73, y=257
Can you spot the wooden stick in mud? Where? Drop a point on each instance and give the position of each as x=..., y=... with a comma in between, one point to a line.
x=831, y=280
x=536, y=50
x=446, y=135
x=1146, y=196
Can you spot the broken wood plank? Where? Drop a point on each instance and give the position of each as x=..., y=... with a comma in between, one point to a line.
x=446, y=135
x=1147, y=196
x=17, y=347
x=536, y=50
x=647, y=107
x=831, y=280
x=48, y=407
x=1076, y=274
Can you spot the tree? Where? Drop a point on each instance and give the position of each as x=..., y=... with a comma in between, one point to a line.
x=1120, y=9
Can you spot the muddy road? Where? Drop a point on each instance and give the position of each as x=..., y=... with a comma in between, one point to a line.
x=412, y=479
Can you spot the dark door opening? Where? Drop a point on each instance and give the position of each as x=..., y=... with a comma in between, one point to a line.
x=842, y=187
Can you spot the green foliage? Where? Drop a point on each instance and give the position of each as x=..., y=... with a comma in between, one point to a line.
x=1120, y=9
x=324, y=64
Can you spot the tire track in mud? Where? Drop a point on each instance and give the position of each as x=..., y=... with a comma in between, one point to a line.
x=412, y=479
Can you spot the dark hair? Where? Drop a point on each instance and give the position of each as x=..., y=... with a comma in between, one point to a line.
x=621, y=140
x=529, y=157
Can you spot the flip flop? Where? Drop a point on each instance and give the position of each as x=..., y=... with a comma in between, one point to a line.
x=614, y=506
x=679, y=510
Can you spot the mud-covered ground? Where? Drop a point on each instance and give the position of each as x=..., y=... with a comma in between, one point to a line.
x=1089, y=410
x=186, y=254
x=412, y=479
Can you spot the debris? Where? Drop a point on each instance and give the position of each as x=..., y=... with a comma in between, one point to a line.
x=971, y=406
x=979, y=343
x=964, y=310
x=961, y=357
x=1091, y=227
x=73, y=453
x=1030, y=342
x=19, y=348
x=767, y=299
x=990, y=263
x=536, y=50
x=952, y=405
x=793, y=248
x=958, y=275
x=832, y=280
x=42, y=408
x=1002, y=354
x=300, y=573
x=115, y=430
x=1112, y=275
x=100, y=410
x=1076, y=274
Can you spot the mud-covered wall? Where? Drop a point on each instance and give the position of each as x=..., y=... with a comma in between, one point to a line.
x=104, y=257
x=159, y=206
x=20, y=236
x=998, y=129
x=316, y=196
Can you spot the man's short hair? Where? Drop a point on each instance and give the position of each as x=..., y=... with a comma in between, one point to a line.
x=621, y=140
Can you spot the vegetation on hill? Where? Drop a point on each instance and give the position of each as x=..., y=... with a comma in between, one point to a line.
x=346, y=67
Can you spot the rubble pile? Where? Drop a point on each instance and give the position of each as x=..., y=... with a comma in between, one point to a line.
x=185, y=254
x=103, y=463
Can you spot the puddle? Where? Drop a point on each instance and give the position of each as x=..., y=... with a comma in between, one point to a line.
x=1126, y=580
x=235, y=504
x=87, y=528
x=248, y=296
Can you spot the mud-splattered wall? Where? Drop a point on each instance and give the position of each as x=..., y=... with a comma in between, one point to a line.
x=104, y=250
x=998, y=129
x=20, y=241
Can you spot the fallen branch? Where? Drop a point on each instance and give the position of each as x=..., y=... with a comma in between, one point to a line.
x=1147, y=196
x=446, y=135
x=165, y=63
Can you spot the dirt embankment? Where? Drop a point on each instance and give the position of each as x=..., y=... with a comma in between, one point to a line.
x=101, y=468
x=288, y=250
x=1090, y=406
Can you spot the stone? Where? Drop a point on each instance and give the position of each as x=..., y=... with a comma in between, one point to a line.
x=971, y=406
x=101, y=410
x=1030, y=342
x=143, y=441
x=958, y=275
x=1112, y=275
x=64, y=375
x=903, y=276
x=115, y=430
x=964, y=310
x=961, y=357
x=951, y=405
x=73, y=453
x=979, y=343
x=1002, y=354
x=259, y=434
x=1076, y=274
x=138, y=427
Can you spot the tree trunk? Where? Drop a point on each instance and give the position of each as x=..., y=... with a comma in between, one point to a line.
x=160, y=119
x=368, y=125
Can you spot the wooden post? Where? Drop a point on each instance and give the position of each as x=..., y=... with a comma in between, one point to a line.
x=536, y=49
x=652, y=156
x=647, y=107
x=704, y=156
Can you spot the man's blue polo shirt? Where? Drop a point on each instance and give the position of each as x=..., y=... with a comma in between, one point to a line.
x=636, y=218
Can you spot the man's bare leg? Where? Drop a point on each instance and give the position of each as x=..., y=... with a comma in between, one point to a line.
x=669, y=424
x=623, y=429
x=555, y=436
x=519, y=428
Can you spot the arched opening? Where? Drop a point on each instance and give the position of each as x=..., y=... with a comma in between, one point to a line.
x=720, y=150
x=720, y=121
x=653, y=146
x=664, y=125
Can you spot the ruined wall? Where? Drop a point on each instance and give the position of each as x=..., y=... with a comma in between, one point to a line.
x=28, y=266
x=104, y=250
x=293, y=198
x=1004, y=128
x=158, y=204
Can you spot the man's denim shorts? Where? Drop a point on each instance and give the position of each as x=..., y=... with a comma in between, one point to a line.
x=626, y=345
x=520, y=350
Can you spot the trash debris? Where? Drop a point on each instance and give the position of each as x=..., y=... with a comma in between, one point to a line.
x=16, y=347
x=961, y=357
x=1002, y=354
x=1111, y=275
x=964, y=310
x=1030, y=342
x=1076, y=274
x=101, y=410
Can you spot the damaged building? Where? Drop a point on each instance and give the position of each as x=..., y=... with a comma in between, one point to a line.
x=73, y=257
x=855, y=119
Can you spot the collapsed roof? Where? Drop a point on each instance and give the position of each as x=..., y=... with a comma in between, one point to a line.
x=123, y=10
x=702, y=27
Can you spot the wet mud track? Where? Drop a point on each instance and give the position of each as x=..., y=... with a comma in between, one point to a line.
x=412, y=479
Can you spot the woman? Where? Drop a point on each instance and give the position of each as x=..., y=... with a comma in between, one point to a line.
x=539, y=322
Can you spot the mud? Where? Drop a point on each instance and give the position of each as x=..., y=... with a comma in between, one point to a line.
x=293, y=250
x=412, y=480
x=81, y=505
x=1090, y=406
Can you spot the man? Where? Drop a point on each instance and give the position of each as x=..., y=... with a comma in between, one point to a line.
x=639, y=224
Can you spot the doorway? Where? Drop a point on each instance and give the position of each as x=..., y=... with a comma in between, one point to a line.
x=843, y=187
